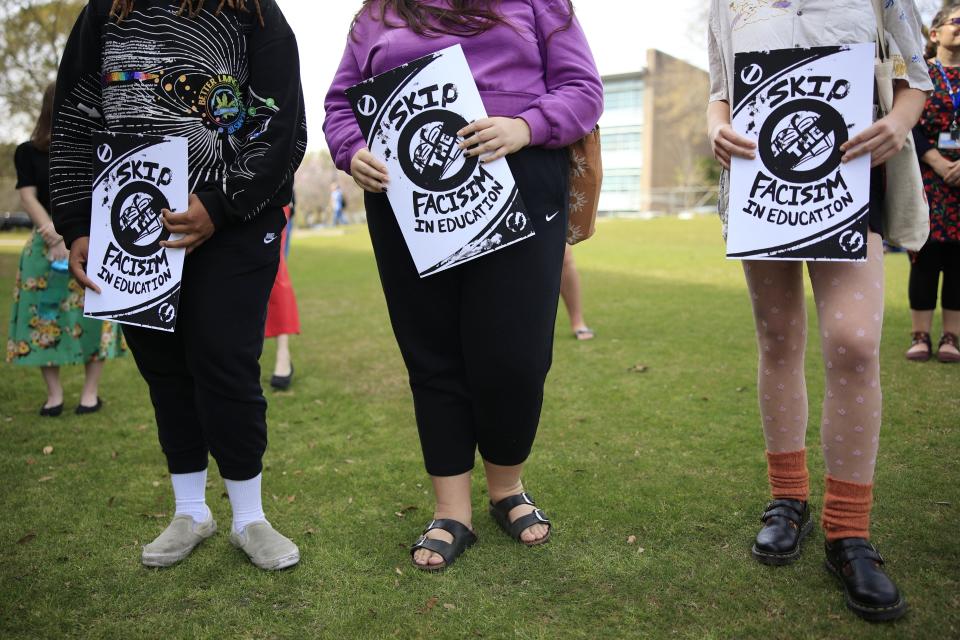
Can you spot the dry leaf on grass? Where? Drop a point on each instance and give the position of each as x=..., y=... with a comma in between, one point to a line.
x=631, y=539
x=430, y=604
x=638, y=368
x=397, y=569
x=47, y=450
x=448, y=606
x=31, y=461
x=290, y=499
x=27, y=538
x=44, y=478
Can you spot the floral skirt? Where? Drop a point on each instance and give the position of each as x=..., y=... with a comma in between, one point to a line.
x=47, y=327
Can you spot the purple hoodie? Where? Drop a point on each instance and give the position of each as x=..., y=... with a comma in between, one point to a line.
x=526, y=69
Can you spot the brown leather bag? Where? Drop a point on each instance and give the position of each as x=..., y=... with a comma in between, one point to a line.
x=586, y=178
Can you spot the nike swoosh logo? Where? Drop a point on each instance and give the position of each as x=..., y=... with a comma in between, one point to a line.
x=554, y=215
x=270, y=237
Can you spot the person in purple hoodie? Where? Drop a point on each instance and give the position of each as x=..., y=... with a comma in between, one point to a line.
x=477, y=340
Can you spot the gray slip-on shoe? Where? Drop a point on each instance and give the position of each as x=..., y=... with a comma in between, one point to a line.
x=177, y=541
x=266, y=547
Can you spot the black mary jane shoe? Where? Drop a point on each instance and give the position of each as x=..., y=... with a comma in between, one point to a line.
x=785, y=525
x=282, y=383
x=463, y=539
x=51, y=412
x=83, y=409
x=869, y=592
x=501, y=513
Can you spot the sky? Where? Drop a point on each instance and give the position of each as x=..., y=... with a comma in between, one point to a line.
x=619, y=31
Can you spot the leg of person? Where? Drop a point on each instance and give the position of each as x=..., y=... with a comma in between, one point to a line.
x=160, y=359
x=89, y=397
x=776, y=291
x=282, y=368
x=227, y=283
x=53, y=407
x=570, y=292
x=949, y=351
x=508, y=314
x=849, y=300
x=924, y=276
x=425, y=315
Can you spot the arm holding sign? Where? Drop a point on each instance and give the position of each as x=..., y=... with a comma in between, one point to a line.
x=726, y=142
x=344, y=138
x=886, y=137
x=574, y=100
x=272, y=141
x=76, y=115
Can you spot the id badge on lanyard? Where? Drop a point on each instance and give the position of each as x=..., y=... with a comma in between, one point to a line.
x=950, y=140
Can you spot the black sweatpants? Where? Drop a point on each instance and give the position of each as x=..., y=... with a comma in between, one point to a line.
x=477, y=339
x=204, y=378
x=925, y=268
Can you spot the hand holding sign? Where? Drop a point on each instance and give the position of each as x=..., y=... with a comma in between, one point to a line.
x=368, y=172
x=728, y=143
x=886, y=137
x=494, y=138
x=194, y=224
x=78, y=262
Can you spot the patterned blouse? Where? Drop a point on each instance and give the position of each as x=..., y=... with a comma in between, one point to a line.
x=757, y=25
x=937, y=116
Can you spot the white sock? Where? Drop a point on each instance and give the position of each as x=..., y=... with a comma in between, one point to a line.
x=245, y=501
x=190, y=491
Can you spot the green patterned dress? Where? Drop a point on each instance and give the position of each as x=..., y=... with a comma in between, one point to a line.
x=47, y=327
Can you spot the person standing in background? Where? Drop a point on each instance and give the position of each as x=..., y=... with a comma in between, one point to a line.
x=570, y=292
x=938, y=145
x=47, y=327
x=337, y=203
x=283, y=319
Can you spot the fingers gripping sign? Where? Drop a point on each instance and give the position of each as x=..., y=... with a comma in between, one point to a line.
x=195, y=225
x=493, y=138
x=78, y=263
x=368, y=172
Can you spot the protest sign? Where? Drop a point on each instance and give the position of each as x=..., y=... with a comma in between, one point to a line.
x=451, y=208
x=796, y=200
x=135, y=177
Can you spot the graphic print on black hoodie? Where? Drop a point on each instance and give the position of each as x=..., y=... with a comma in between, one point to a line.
x=224, y=82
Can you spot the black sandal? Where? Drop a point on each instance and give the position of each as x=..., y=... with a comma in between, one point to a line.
x=501, y=513
x=463, y=539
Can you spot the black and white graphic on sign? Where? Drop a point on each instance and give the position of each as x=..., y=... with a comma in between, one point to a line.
x=450, y=207
x=135, y=178
x=797, y=200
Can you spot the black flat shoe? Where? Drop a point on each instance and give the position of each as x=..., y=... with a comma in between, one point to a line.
x=282, y=383
x=51, y=412
x=501, y=513
x=785, y=525
x=83, y=409
x=869, y=592
x=463, y=539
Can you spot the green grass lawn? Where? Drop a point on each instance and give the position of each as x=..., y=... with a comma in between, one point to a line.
x=672, y=456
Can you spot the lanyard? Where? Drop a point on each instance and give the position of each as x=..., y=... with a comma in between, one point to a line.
x=954, y=93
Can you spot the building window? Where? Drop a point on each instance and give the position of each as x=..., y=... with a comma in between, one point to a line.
x=622, y=139
x=621, y=182
x=623, y=95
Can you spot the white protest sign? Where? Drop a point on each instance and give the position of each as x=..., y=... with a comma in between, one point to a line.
x=796, y=200
x=135, y=177
x=451, y=208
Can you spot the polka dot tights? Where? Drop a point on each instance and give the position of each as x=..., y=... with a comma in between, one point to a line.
x=849, y=302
